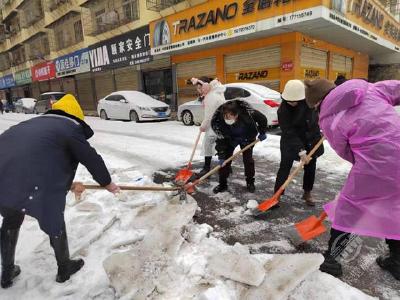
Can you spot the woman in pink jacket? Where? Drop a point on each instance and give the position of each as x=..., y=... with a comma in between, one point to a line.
x=361, y=125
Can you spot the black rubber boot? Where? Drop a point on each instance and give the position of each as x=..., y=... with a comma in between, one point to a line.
x=391, y=263
x=251, y=188
x=331, y=266
x=206, y=167
x=8, y=244
x=220, y=188
x=66, y=266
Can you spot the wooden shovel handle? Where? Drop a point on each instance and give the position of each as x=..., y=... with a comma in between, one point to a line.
x=215, y=170
x=134, y=188
x=194, y=149
x=309, y=156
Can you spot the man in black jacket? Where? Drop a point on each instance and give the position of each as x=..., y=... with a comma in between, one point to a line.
x=300, y=133
x=237, y=124
x=40, y=157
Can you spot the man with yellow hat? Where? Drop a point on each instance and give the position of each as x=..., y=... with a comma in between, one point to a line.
x=38, y=159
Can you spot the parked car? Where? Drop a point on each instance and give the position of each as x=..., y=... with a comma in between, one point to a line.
x=45, y=101
x=132, y=105
x=261, y=98
x=25, y=105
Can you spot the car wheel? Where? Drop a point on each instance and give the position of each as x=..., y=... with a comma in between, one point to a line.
x=133, y=116
x=103, y=115
x=187, y=118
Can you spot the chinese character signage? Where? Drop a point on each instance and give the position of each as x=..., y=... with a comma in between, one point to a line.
x=129, y=49
x=23, y=77
x=9, y=81
x=43, y=71
x=73, y=63
x=2, y=84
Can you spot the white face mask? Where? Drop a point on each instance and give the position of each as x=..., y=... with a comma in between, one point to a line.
x=230, y=122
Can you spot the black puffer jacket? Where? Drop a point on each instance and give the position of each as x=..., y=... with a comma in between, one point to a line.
x=300, y=130
x=250, y=123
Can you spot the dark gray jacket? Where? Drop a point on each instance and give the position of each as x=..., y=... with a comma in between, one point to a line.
x=38, y=161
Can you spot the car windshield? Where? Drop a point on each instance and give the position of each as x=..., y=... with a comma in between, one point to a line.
x=57, y=96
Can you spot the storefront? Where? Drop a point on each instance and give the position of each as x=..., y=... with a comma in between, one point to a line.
x=269, y=44
x=43, y=78
x=22, y=81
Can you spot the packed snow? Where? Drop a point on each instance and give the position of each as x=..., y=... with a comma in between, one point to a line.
x=145, y=245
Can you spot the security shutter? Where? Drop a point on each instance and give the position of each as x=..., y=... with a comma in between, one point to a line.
x=342, y=64
x=55, y=85
x=255, y=61
x=44, y=86
x=35, y=90
x=187, y=70
x=68, y=84
x=157, y=64
x=104, y=84
x=127, y=79
x=313, y=58
x=85, y=91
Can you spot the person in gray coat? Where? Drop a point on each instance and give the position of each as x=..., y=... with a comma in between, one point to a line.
x=38, y=160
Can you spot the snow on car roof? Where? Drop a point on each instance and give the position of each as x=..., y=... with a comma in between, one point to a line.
x=258, y=88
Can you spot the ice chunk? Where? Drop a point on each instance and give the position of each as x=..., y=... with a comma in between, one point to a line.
x=238, y=267
x=252, y=204
x=87, y=206
x=284, y=274
x=196, y=233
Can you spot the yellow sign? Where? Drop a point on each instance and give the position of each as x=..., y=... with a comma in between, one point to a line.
x=313, y=73
x=253, y=75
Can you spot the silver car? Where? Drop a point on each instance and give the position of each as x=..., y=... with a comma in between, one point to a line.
x=261, y=98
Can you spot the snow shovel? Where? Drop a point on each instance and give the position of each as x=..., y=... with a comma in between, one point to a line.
x=185, y=174
x=135, y=188
x=190, y=187
x=274, y=200
x=307, y=229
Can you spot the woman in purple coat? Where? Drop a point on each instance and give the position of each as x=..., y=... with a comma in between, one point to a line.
x=361, y=125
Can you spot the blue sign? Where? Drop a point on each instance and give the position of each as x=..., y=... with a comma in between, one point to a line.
x=9, y=81
x=2, y=83
x=73, y=63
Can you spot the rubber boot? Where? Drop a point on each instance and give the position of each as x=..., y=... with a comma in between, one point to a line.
x=206, y=167
x=222, y=186
x=391, y=263
x=308, y=198
x=66, y=266
x=8, y=244
x=250, y=185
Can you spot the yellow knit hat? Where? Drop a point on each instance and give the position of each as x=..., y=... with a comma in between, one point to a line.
x=70, y=105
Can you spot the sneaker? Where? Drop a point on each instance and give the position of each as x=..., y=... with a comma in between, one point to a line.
x=331, y=266
x=220, y=189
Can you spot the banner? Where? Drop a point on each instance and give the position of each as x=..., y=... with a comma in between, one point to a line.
x=23, y=77
x=128, y=49
x=9, y=81
x=73, y=63
x=43, y=71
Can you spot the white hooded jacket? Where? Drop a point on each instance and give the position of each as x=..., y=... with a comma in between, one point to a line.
x=212, y=101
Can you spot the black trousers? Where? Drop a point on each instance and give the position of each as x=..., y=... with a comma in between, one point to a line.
x=339, y=241
x=284, y=172
x=249, y=168
x=12, y=219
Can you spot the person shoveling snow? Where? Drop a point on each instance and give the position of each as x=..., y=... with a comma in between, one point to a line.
x=39, y=158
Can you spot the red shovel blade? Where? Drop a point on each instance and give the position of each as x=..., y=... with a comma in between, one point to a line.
x=183, y=176
x=310, y=228
x=268, y=203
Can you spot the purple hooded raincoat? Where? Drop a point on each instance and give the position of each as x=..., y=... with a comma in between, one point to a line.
x=361, y=125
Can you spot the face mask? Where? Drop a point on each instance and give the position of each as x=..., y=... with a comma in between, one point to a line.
x=229, y=122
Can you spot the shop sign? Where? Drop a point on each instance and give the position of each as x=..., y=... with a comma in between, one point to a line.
x=287, y=66
x=311, y=73
x=368, y=11
x=9, y=81
x=2, y=84
x=23, y=77
x=128, y=49
x=43, y=71
x=73, y=63
x=253, y=75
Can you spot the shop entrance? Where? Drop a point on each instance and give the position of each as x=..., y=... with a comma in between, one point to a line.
x=158, y=84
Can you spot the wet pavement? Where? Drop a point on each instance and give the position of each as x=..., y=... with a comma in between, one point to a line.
x=272, y=232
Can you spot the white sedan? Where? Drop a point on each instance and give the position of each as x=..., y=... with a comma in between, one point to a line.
x=132, y=105
x=261, y=98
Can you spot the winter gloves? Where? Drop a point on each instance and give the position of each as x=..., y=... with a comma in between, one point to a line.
x=303, y=157
x=262, y=137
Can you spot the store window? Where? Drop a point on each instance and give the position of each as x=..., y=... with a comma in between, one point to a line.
x=158, y=84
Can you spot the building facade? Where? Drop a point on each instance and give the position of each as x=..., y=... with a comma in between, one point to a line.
x=93, y=47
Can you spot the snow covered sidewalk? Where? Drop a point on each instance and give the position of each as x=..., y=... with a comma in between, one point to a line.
x=148, y=247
